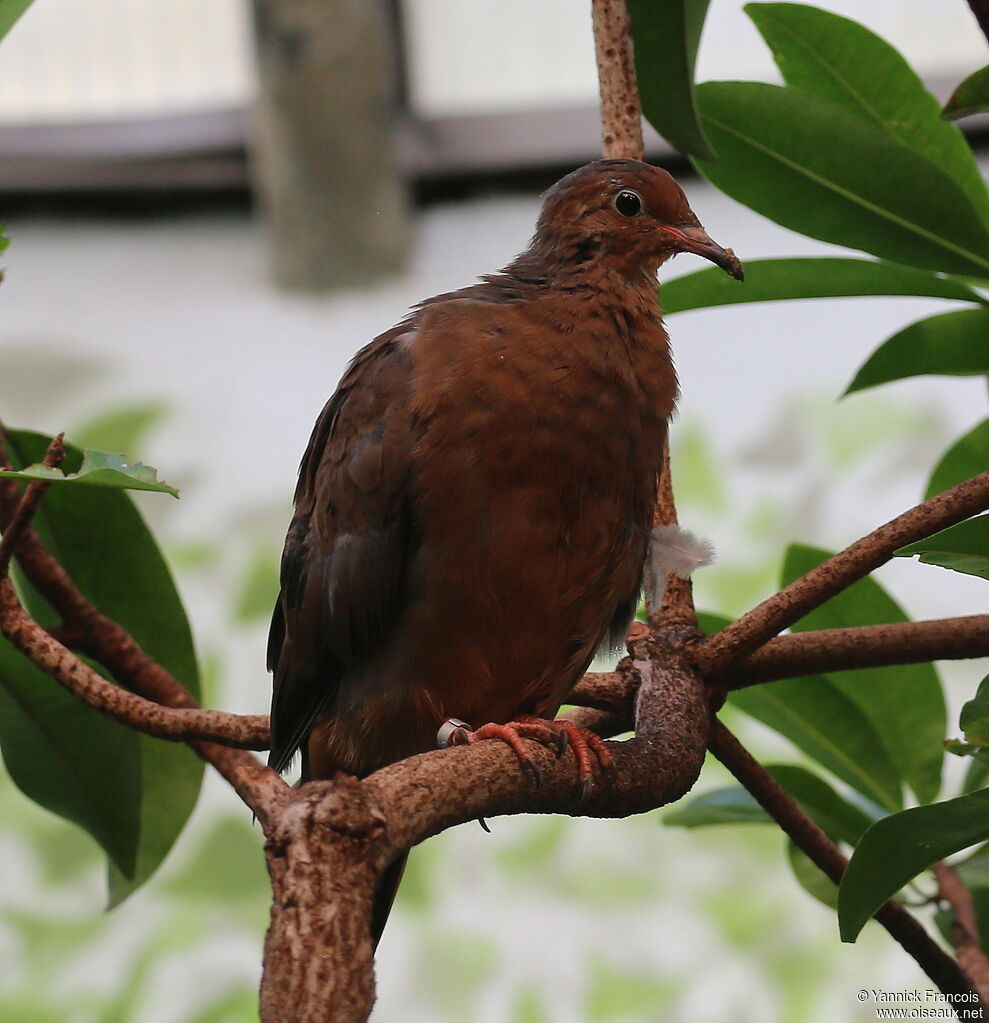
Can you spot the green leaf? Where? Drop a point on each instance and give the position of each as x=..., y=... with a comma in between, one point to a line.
x=10, y=11
x=811, y=878
x=966, y=458
x=971, y=97
x=905, y=704
x=976, y=775
x=774, y=280
x=843, y=61
x=666, y=37
x=961, y=548
x=729, y=805
x=897, y=848
x=709, y=622
x=98, y=469
x=733, y=805
x=950, y=344
x=974, y=719
x=818, y=718
x=812, y=165
x=4, y=240
x=150, y=785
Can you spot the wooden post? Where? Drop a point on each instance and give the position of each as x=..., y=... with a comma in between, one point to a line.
x=324, y=146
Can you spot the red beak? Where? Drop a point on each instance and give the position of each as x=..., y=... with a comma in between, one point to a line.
x=691, y=238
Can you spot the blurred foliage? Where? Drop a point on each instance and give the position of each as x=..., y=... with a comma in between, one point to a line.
x=121, y=428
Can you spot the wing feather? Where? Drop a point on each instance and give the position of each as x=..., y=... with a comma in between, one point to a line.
x=343, y=564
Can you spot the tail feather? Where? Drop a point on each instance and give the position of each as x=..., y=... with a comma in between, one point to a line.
x=384, y=897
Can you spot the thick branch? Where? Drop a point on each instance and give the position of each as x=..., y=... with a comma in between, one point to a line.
x=867, y=646
x=603, y=690
x=810, y=839
x=424, y=795
x=750, y=631
x=964, y=930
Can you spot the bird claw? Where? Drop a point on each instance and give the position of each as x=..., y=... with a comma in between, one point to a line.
x=558, y=735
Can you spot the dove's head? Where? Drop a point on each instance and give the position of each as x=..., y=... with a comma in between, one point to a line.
x=623, y=214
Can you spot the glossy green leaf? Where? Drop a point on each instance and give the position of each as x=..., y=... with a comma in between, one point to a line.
x=845, y=62
x=818, y=718
x=666, y=38
x=774, y=280
x=961, y=548
x=98, y=469
x=966, y=458
x=950, y=344
x=897, y=848
x=734, y=805
x=812, y=165
x=10, y=11
x=100, y=538
x=905, y=704
x=971, y=97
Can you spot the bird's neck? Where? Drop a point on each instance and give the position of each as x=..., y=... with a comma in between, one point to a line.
x=564, y=269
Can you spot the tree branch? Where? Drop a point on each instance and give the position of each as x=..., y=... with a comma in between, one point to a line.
x=811, y=840
x=621, y=137
x=111, y=645
x=621, y=112
x=964, y=930
x=355, y=829
x=177, y=725
x=791, y=603
x=187, y=725
x=424, y=795
x=27, y=505
x=866, y=646
x=612, y=693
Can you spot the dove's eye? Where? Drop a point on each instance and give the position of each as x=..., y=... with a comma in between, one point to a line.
x=628, y=203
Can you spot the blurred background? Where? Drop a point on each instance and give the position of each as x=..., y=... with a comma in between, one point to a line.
x=211, y=207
